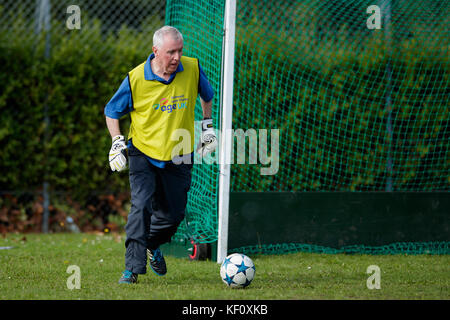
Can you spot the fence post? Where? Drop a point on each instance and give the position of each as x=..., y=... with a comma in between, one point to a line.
x=388, y=98
x=43, y=24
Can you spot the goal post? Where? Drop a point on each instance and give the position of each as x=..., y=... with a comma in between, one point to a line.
x=225, y=146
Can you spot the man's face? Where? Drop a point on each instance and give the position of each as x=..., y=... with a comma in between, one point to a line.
x=169, y=54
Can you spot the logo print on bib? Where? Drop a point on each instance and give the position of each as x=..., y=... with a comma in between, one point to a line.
x=178, y=102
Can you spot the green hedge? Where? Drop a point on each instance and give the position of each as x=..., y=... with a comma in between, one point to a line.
x=331, y=115
x=74, y=83
x=328, y=99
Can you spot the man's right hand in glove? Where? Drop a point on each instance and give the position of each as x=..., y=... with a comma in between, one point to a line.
x=117, y=154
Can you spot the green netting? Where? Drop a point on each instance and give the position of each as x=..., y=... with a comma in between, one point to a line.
x=358, y=109
x=438, y=247
x=201, y=23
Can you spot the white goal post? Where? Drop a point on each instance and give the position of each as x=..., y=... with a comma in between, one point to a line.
x=226, y=115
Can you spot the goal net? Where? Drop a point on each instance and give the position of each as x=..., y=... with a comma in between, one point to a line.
x=359, y=91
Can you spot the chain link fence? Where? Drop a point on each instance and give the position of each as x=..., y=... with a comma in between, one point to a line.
x=61, y=63
x=26, y=19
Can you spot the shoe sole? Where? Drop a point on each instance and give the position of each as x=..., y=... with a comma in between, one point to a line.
x=127, y=282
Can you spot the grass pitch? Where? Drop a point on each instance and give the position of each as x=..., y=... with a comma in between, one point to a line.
x=34, y=266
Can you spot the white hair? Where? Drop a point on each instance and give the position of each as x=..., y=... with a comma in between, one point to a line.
x=158, y=36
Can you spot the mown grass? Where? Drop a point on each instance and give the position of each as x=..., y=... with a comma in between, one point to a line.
x=35, y=268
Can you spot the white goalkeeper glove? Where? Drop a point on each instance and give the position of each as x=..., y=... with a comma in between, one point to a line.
x=117, y=154
x=208, y=139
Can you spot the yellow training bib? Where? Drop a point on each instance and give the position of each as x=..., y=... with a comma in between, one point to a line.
x=160, y=109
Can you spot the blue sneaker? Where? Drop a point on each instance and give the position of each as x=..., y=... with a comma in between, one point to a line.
x=157, y=262
x=128, y=277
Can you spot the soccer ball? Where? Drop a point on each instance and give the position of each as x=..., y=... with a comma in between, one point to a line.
x=237, y=270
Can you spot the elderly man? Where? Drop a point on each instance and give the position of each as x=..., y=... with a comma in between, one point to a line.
x=160, y=96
